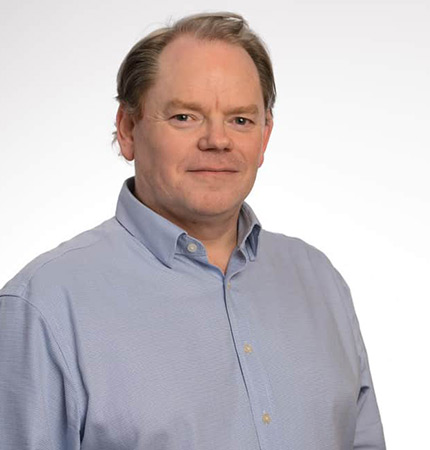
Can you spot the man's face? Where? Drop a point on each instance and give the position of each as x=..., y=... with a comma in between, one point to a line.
x=203, y=132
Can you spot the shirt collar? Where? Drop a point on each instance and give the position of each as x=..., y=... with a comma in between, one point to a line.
x=163, y=238
x=248, y=231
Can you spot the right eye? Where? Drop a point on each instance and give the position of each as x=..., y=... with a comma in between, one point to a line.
x=183, y=120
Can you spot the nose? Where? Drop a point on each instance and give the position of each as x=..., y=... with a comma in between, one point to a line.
x=214, y=137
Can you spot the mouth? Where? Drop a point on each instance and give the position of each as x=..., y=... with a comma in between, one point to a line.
x=213, y=174
x=212, y=170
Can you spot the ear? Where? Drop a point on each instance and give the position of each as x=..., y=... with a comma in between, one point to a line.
x=124, y=132
x=268, y=126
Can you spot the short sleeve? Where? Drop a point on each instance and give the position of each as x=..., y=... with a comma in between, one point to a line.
x=38, y=408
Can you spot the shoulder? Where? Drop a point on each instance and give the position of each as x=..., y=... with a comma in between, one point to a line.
x=54, y=269
x=309, y=264
x=290, y=247
x=292, y=253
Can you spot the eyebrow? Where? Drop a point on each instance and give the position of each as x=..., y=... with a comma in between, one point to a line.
x=249, y=109
x=176, y=103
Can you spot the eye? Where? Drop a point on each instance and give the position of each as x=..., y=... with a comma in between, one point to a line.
x=181, y=117
x=241, y=121
x=183, y=120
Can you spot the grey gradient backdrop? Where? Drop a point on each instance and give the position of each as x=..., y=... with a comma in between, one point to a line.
x=347, y=168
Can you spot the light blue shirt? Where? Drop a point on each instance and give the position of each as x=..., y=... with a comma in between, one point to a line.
x=126, y=338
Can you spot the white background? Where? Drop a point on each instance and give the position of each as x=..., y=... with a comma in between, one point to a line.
x=347, y=169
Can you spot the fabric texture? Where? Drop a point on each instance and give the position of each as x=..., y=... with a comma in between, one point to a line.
x=125, y=337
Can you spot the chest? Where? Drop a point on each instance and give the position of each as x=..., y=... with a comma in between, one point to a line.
x=206, y=365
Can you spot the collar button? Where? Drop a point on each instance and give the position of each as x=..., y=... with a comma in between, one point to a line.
x=192, y=248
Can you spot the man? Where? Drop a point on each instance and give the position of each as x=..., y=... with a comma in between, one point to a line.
x=180, y=323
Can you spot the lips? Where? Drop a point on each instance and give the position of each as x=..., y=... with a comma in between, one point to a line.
x=213, y=169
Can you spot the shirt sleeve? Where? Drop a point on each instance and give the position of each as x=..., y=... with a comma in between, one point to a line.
x=369, y=433
x=38, y=408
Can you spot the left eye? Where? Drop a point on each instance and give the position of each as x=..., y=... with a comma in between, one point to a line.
x=181, y=117
x=241, y=121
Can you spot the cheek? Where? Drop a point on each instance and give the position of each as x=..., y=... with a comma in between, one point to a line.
x=253, y=150
x=165, y=156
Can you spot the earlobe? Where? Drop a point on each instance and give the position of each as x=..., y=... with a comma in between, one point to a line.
x=261, y=159
x=124, y=132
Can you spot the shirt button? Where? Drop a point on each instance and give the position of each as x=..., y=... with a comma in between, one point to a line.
x=247, y=348
x=228, y=285
x=192, y=248
x=266, y=418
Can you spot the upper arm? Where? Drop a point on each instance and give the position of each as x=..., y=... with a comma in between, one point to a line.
x=38, y=408
x=369, y=431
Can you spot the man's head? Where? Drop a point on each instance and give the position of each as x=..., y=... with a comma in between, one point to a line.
x=195, y=114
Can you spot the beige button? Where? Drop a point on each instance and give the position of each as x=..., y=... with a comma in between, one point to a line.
x=247, y=348
x=192, y=248
x=228, y=285
x=266, y=418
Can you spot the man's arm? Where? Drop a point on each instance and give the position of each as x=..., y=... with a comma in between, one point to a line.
x=38, y=409
x=369, y=433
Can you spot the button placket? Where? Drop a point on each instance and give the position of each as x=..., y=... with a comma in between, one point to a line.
x=255, y=378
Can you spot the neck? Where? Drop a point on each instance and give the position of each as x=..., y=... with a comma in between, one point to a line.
x=217, y=234
x=219, y=237
x=219, y=240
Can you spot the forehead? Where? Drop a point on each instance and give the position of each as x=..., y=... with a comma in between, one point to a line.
x=197, y=69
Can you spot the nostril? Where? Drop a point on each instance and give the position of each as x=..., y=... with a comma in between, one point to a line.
x=214, y=147
x=215, y=140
